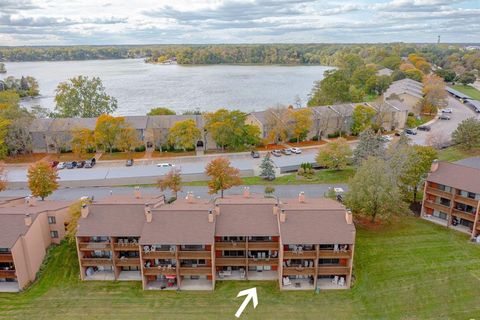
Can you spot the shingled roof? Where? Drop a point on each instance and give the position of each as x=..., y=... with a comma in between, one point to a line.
x=456, y=175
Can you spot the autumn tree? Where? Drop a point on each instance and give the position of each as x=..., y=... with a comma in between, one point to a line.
x=127, y=139
x=160, y=111
x=83, y=97
x=107, y=130
x=362, y=118
x=467, y=134
x=4, y=125
x=435, y=95
x=467, y=78
x=335, y=155
x=302, y=122
x=184, y=134
x=369, y=144
x=42, y=179
x=82, y=140
x=373, y=192
x=172, y=180
x=3, y=178
x=223, y=176
x=278, y=123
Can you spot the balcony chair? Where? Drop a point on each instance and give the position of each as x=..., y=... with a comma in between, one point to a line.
x=286, y=281
x=341, y=282
x=335, y=280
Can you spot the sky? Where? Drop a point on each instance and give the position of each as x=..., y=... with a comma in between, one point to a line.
x=97, y=22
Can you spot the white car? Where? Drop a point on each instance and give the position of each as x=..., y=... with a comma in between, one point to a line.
x=61, y=165
x=165, y=165
x=447, y=110
x=296, y=150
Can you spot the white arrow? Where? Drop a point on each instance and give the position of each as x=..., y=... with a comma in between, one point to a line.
x=250, y=294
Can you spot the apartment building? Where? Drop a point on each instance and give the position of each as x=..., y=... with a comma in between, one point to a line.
x=452, y=195
x=27, y=228
x=192, y=243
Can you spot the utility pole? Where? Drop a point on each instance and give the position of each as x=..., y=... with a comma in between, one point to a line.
x=438, y=41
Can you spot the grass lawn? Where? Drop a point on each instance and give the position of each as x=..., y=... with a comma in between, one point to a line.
x=321, y=176
x=468, y=90
x=411, y=269
x=453, y=154
x=26, y=158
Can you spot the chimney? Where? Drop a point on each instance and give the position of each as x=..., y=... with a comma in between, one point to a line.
x=348, y=217
x=217, y=209
x=190, y=197
x=148, y=213
x=434, y=166
x=283, y=216
x=28, y=220
x=246, y=192
x=31, y=201
x=137, y=192
x=210, y=216
x=301, y=197
x=275, y=209
x=84, y=210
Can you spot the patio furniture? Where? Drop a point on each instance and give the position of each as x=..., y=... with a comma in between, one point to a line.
x=286, y=281
x=300, y=250
x=298, y=285
x=341, y=282
x=335, y=280
x=242, y=273
x=335, y=248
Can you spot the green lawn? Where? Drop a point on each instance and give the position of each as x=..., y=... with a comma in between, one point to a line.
x=468, y=90
x=411, y=269
x=321, y=176
x=453, y=154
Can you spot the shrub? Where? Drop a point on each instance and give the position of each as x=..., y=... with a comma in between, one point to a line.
x=301, y=171
x=411, y=114
x=141, y=148
x=65, y=150
x=171, y=199
x=269, y=189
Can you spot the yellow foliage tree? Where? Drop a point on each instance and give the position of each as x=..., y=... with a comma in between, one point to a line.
x=107, y=129
x=82, y=140
x=223, y=176
x=302, y=119
x=184, y=134
x=42, y=179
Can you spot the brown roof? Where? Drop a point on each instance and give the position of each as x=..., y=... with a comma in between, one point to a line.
x=178, y=227
x=40, y=206
x=12, y=226
x=457, y=176
x=246, y=220
x=112, y=220
x=119, y=199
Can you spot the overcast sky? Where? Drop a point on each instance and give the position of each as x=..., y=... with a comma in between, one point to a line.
x=69, y=22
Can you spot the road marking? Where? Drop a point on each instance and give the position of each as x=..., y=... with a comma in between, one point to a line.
x=251, y=294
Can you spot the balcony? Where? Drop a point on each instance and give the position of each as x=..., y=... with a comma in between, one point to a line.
x=436, y=206
x=126, y=262
x=230, y=262
x=160, y=271
x=464, y=215
x=333, y=270
x=306, y=254
x=298, y=271
x=439, y=193
x=92, y=262
x=159, y=255
x=466, y=200
x=8, y=274
x=263, y=245
x=193, y=271
x=230, y=245
x=194, y=255
x=90, y=246
x=263, y=262
x=325, y=254
x=126, y=247
x=6, y=257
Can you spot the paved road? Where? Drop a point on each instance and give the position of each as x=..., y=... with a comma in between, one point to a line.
x=283, y=191
x=444, y=128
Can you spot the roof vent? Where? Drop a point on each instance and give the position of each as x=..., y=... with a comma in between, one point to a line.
x=283, y=215
x=246, y=192
x=434, y=166
x=148, y=213
x=137, y=192
x=301, y=197
x=348, y=217
x=84, y=210
x=28, y=220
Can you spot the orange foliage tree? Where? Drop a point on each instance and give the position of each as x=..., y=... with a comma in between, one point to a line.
x=223, y=176
x=42, y=179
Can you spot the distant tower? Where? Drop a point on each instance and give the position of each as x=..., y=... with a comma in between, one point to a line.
x=438, y=41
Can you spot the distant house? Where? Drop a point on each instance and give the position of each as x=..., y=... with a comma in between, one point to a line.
x=384, y=72
x=406, y=91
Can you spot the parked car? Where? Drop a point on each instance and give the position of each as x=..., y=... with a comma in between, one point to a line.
x=165, y=165
x=255, y=154
x=54, y=164
x=444, y=117
x=276, y=153
x=129, y=163
x=61, y=165
x=80, y=164
x=398, y=133
x=90, y=163
x=447, y=110
x=411, y=131
x=424, y=128
x=386, y=138
x=71, y=164
x=287, y=151
x=296, y=150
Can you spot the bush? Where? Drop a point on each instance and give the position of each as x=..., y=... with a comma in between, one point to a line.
x=305, y=166
x=65, y=150
x=301, y=171
x=171, y=199
x=141, y=148
x=269, y=189
x=115, y=150
x=336, y=134
x=91, y=150
x=315, y=138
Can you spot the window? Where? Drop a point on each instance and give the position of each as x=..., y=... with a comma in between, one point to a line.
x=52, y=220
x=54, y=234
x=328, y=261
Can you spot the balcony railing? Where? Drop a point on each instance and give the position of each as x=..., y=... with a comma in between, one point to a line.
x=333, y=270
x=436, y=206
x=263, y=262
x=439, y=193
x=154, y=271
x=464, y=215
x=231, y=245
x=335, y=254
x=126, y=247
x=305, y=254
x=159, y=255
x=263, y=245
x=123, y=262
x=194, y=255
x=8, y=274
x=192, y=271
x=298, y=271
x=466, y=200
x=6, y=257
x=87, y=246
x=91, y=262
x=230, y=261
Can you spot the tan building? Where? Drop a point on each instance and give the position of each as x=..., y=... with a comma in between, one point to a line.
x=27, y=228
x=190, y=244
x=405, y=94
x=452, y=195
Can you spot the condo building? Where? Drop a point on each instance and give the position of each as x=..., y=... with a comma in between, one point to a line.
x=452, y=195
x=191, y=243
x=27, y=228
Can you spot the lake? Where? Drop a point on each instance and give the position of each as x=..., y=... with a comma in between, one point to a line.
x=139, y=86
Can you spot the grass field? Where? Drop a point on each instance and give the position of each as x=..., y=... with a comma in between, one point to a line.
x=410, y=269
x=468, y=90
x=453, y=154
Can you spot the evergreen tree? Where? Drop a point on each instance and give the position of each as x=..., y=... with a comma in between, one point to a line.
x=369, y=145
x=268, y=168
